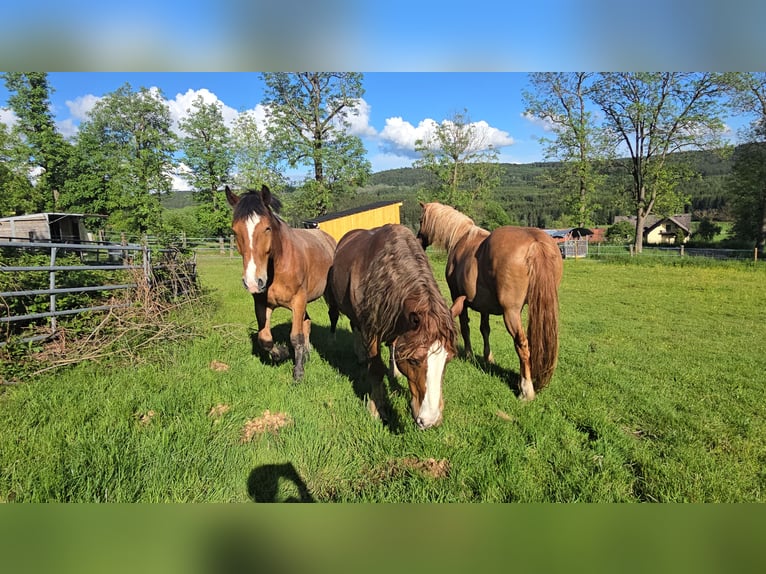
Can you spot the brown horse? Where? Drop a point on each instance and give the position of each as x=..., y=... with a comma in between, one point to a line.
x=381, y=280
x=282, y=267
x=498, y=273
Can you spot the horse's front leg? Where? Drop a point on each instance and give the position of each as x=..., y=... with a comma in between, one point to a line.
x=301, y=326
x=265, y=339
x=484, y=328
x=376, y=370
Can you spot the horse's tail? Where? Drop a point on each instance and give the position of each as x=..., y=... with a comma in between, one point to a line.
x=545, y=269
x=332, y=305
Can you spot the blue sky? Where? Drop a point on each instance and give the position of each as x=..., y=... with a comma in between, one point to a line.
x=397, y=106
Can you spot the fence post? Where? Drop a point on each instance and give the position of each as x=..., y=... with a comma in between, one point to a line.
x=682, y=250
x=755, y=254
x=183, y=239
x=220, y=246
x=231, y=246
x=52, y=286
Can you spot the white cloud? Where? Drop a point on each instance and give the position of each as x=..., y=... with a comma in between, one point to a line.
x=546, y=124
x=7, y=117
x=81, y=106
x=400, y=135
x=182, y=103
x=359, y=120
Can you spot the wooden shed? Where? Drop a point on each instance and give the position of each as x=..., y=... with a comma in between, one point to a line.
x=56, y=227
x=363, y=217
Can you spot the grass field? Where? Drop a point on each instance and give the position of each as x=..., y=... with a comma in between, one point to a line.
x=658, y=396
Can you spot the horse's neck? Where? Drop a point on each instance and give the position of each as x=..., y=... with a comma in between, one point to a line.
x=469, y=236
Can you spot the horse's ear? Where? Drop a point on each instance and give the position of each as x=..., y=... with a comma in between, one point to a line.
x=231, y=197
x=269, y=200
x=422, y=205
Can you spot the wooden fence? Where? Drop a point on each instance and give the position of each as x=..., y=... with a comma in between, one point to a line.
x=144, y=264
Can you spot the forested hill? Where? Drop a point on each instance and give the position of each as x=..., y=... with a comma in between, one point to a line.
x=526, y=194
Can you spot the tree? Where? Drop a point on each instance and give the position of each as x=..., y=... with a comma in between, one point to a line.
x=309, y=125
x=707, y=230
x=17, y=195
x=747, y=193
x=124, y=159
x=207, y=152
x=747, y=184
x=561, y=100
x=652, y=115
x=44, y=149
x=464, y=163
x=254, y=166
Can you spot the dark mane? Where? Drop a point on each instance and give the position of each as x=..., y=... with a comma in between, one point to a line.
x=251, y=202
x=397, y=275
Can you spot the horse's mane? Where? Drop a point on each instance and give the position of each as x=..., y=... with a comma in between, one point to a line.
x=400, y=273
x=445, y=225
x=252, y=202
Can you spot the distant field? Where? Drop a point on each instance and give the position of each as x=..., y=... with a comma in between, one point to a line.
x=658, y=396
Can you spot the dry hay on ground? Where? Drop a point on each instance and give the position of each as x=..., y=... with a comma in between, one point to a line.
x=267, y=422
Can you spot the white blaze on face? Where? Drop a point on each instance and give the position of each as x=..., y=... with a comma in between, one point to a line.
x=250, y=271
x=436, y=361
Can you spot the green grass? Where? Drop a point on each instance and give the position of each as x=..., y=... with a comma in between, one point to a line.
x=658, y=396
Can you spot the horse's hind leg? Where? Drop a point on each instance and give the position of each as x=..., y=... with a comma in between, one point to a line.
x=512, y=319
x=466, y=332
x=307, y=334
x=298, y=338
x=484, y=328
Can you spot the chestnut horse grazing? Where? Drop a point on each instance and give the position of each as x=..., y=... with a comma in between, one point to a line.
x=282, y=267
x=498, y=273
x=381, y=280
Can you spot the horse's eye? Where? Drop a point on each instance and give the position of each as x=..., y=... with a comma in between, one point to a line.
x=414, y=362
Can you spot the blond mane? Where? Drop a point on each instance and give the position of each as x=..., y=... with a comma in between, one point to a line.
x=444, y=226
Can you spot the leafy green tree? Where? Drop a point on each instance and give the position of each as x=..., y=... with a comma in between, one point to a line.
x=123, y=160
x=42, y=146
x=747, y=184
x=747, y=193
x=651, y=116
x=254, y=165
x=707, y=230
x=462, y=161
x=207, y=152
x=17, y=195
x=561, y=100
x=620, y=232
x=309, y=125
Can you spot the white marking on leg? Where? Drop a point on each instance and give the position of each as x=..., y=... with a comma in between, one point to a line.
x=436, y=361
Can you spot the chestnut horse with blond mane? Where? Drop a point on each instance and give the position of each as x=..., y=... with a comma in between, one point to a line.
x=282, y=267
x=382, y=281
x=498, y=273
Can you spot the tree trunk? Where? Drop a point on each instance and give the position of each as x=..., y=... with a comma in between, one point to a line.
x=639, y=239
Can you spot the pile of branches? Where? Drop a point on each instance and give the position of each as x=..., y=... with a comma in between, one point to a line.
x=130, y=332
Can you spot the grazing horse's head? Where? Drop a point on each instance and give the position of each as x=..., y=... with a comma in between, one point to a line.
x=256, y=228
x=421, y=354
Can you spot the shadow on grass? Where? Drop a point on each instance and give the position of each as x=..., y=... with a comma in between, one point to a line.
x=512, y=378
x=263, y=483
x=338, y=351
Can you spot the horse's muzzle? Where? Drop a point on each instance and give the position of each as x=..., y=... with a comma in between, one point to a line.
x=260, y=285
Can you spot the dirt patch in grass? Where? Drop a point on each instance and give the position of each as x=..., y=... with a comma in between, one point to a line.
x=145, y=418
x=218, y=366
x=218, y=411
x=267, y=422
